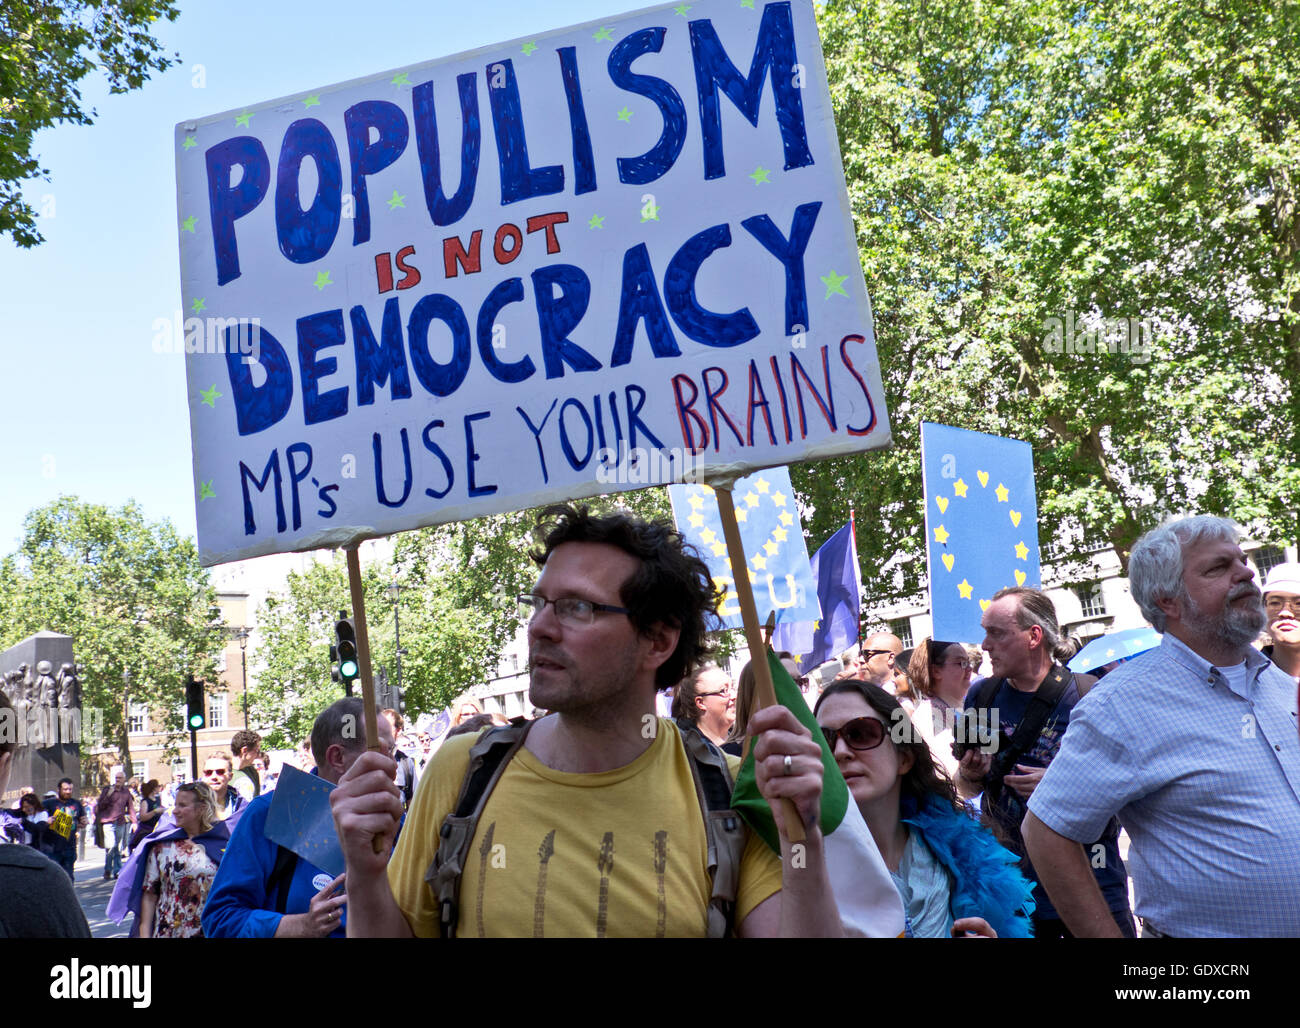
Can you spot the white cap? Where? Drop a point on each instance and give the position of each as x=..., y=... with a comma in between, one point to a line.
x=1283, y=578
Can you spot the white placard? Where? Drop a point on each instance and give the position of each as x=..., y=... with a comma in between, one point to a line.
x=609, y=256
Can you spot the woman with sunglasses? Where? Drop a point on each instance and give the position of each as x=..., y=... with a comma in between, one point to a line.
x=951, y=874
x=940, y=673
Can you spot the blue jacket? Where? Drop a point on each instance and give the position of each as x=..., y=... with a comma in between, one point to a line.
x=240, y=906
x=986, y=878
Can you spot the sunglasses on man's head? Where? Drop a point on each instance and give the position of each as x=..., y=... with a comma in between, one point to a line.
x=862, y=733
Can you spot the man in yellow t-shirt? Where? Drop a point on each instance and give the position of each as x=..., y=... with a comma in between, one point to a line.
x=595, y=827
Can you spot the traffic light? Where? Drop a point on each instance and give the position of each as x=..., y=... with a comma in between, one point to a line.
x=334, y=665
x=399, y=700
x=195, y=710
x=345, y=632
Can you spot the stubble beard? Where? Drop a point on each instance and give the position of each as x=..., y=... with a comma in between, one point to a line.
x=573, y=693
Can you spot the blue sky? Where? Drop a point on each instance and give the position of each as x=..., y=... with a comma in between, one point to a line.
x=91, y=409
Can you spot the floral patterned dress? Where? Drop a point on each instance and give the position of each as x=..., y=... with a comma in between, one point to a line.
x=181, y=872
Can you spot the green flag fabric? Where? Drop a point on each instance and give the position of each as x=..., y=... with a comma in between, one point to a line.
x=749, y=802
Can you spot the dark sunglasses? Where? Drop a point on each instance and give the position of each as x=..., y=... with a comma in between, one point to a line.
x=862, y=733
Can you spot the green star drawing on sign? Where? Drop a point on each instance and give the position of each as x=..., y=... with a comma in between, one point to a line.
x=402, y=78
x=210, y=396
x=205, y=490
x=396, y=200
x=242, y=119
x=681, y=9
x=747, y=3
x=624, y=115
x=597, y=221
x=188, y=224
x=650, y=212
x=760, y=175
x=528, y=48
x=603, y=34
x=322, y=280
x=312, y=101
x=834, y=284
x=190, y=143
x=199, y=305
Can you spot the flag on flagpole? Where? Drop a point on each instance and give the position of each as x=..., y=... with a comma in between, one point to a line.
x=864, y=892
x=839, y=591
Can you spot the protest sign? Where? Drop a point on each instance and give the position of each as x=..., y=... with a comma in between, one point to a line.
x=597, y=259
x=981, y=524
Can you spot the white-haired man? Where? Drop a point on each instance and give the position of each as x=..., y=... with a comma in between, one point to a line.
x=1194, y=745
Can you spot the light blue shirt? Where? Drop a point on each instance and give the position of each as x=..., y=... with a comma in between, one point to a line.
x=1204, y=774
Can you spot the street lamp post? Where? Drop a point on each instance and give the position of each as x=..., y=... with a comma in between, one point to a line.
x=242, y=635
x=395, y=594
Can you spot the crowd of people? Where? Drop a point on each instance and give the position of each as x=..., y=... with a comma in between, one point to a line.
x=995, y=801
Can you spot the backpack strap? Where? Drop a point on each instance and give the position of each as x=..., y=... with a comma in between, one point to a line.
x=724, y=829
x=286, y=862
x=1040, y=708
x=488, y=758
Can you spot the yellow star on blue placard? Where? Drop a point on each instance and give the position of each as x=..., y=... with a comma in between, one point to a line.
x=774, y=552
x=986, y=533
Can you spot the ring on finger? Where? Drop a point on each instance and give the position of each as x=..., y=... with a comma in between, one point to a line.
x=787, y=765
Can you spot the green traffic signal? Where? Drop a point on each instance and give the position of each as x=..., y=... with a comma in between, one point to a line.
x=345, y=634
x=195, y=715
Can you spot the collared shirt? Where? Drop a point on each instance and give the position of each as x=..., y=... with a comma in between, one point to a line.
x=1205, y=778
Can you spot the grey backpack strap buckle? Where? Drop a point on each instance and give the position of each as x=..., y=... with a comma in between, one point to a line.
x=488, y=758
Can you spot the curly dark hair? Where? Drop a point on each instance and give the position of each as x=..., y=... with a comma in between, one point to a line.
x=925, y=777
x=672, y=585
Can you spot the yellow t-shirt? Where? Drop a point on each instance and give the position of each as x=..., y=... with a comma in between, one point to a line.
x=618, y=853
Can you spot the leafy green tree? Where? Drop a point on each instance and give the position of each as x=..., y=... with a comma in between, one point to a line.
x=131, y=593
x=46, y=48
x=1014, y=163
x=458, y=613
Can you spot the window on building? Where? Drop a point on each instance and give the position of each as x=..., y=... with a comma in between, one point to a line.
x=902, y=627
x=1090, y=599
x=138, y=770
x=1267, y=558
x=216, y=712
x=137, y=719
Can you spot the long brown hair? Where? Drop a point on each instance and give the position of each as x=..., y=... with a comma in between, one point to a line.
x=925, y=777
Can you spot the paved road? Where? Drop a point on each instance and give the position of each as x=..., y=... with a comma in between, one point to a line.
x=93, y=893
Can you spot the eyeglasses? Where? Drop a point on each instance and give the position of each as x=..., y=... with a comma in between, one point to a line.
x=965, y=665
x=569, y=609
x=1276, y=604
x=862, y=733
x=724, y=692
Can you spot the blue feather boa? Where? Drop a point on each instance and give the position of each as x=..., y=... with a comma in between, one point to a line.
x=986, y=877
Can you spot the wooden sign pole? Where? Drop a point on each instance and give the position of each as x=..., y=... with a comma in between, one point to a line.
x=369, y=713
x=764, y=693
x=363, y=648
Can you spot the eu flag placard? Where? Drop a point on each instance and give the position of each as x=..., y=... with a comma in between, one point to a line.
x=773, y=539
x=981, y=524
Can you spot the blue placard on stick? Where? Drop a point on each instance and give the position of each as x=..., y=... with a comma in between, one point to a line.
x=300, y=819
x=981, y=524
x=779, y=571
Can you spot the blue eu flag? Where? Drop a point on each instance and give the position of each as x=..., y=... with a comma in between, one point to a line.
x=981, y=524
x=770, y=532
x=839, y=592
